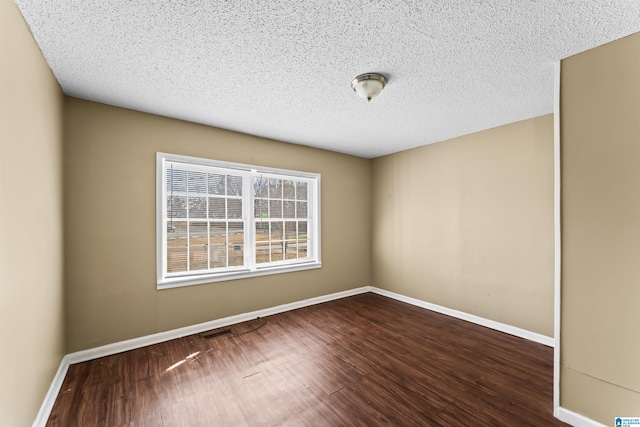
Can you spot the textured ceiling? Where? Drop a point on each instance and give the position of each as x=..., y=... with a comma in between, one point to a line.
x=282, y=69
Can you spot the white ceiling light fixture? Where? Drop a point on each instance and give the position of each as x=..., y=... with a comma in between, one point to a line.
x=369, y=85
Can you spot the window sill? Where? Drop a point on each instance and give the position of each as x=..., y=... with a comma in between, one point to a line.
x=176, y=282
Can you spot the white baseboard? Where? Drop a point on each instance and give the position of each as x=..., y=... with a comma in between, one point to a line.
x=502, y=327
x=52, y=394
x=132, y=344
x=577, y=420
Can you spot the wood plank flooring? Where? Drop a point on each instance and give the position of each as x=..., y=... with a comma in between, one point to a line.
x=365, y=360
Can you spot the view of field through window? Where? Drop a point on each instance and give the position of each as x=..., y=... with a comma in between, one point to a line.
x=280, y=209
x=206, y=230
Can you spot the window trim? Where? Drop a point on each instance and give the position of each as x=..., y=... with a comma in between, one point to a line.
x=252, y=270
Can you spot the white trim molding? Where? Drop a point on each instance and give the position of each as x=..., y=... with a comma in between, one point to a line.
x=557, y=263
x=576, y=420
x=502, y=327
x=52, y=394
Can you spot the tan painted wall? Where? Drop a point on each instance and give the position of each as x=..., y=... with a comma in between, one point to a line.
x=600, y=329
x=110, y=224
x=31, y=284
x=468, y=224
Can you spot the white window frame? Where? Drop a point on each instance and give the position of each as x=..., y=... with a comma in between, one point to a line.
x=251, y=268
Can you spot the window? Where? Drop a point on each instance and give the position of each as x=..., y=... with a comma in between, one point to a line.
x=220, y=221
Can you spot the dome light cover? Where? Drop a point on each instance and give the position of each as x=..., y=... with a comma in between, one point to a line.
x=369, y=85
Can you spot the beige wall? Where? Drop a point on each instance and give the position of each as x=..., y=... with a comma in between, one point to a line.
x=31, y=285
x=468, y=224
x=110, y=224
x=600, y=122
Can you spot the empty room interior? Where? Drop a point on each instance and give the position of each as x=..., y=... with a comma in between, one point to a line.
x=489, y=186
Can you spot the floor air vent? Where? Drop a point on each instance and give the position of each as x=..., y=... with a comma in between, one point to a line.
x=209, y=335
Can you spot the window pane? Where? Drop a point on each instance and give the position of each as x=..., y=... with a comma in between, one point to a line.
x=218, y=244
x=290, y=230
x=261, y=188
x=234, y=185
x=301, y=209
x=301, y=190
x=176, y=246
x=277, y=251
x=176, y=232
x=291, y=249
x=197, y=207
x=236, y=254
x=216, y=183
x=176, y=259
x=217, y=207
x=289, y=189
x=262, y=231
x=177, y=207
x=176, y=180
x=289, y=209
x=276, y=231
x=234, y=208
x=198, y=253
x=198, y=257
x=262, y=252
x=198, y=233
x=261, y=209
x=218, y=256
x=236, y=231
x=197, y=182
x=302, y=229
x=217, y=233
x=302, y=249
x=275, y=188
x=302, y=239
x=236, y=243
x=275, y=208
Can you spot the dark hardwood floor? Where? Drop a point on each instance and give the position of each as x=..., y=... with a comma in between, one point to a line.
x=365, y=360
